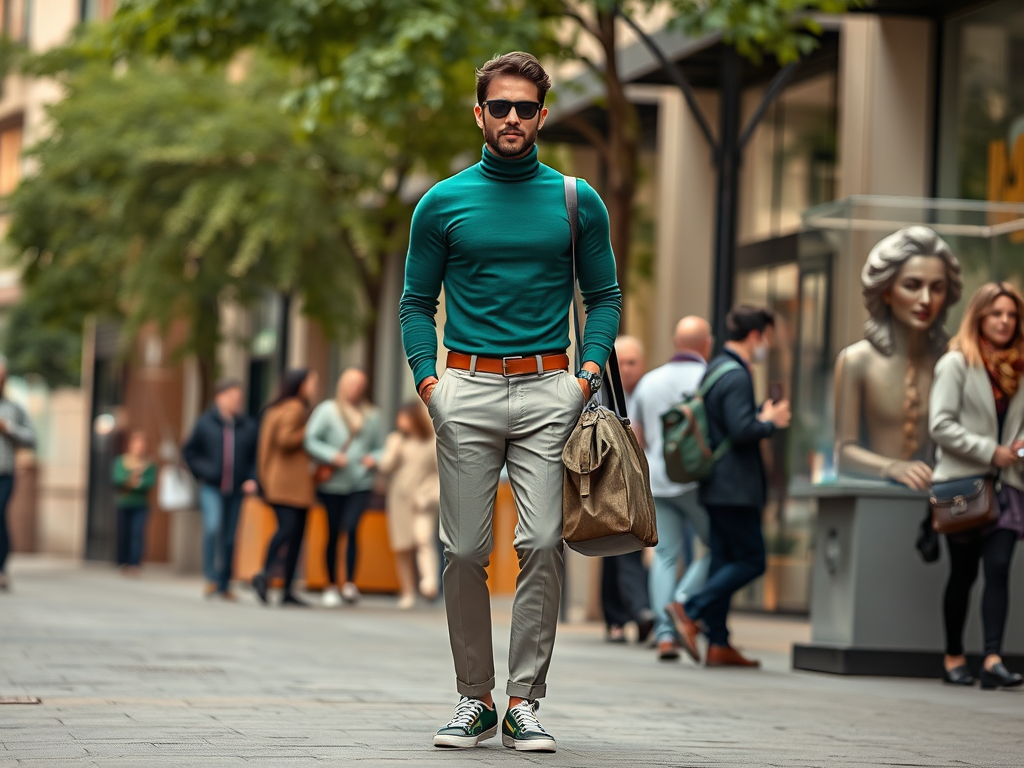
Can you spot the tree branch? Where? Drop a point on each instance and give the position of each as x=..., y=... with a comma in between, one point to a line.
x=778, y=82
x=591, y=134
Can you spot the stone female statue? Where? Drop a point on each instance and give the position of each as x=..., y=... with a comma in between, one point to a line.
x=882, y=383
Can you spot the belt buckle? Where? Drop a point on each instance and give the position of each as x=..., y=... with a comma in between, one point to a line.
x=504, y=365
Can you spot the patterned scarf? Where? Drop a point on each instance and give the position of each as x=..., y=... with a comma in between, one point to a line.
x=1005, y=368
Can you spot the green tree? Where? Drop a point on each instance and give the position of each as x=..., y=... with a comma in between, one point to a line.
x=165, y=189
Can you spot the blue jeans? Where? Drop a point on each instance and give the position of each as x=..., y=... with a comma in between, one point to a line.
x=220, y=519
x=131, y=533
x=677, y=516
x=6, y=489
x=737, y=558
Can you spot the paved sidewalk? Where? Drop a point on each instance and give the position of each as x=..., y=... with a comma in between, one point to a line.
x=144, y=673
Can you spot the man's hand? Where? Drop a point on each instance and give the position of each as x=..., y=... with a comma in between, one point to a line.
x=340, y=460
x=1004, y=457
x=584, y=384
x=369, y=462
x=427, y=388
x=776, y=413
x=250, y=488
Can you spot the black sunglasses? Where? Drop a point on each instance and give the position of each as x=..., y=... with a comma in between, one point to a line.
x=527, y=110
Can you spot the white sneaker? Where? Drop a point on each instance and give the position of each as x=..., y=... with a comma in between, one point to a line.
x=349, y=592
x=331, y=598
x=405, y=602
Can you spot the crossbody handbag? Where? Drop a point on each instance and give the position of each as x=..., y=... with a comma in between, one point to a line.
x=966, y=503
x=607, y=506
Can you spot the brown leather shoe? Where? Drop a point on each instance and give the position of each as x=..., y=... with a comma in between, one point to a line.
x=668, y=650
x=687, y=629
x=727, y=656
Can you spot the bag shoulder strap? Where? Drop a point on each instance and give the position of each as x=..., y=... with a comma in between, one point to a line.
x=713, y=376
x=572, y=208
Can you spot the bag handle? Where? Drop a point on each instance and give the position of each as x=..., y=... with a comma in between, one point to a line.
x=617, y=392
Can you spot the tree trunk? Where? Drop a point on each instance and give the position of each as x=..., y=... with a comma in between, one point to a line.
x=622, y=151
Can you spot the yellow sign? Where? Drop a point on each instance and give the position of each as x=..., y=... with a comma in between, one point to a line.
x=1006, y=176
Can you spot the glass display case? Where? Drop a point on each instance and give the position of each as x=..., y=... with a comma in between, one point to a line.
x=987, y=240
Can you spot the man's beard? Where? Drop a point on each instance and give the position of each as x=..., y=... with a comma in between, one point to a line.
x=493, y=138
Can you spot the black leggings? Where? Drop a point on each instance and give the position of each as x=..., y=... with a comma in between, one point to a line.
x=291, y=524
x=995, y=550
x=344, y=511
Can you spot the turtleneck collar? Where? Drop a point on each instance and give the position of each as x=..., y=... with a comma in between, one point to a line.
x=500, y=169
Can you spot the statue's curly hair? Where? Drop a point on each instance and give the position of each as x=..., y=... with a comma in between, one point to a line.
x=879, y=273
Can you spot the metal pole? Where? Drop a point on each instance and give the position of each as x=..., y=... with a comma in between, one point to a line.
x=728, y=189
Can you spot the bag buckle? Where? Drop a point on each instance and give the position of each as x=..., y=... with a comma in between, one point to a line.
x=959, y=505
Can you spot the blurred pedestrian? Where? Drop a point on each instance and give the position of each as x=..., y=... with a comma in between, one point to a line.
x=285, y=476
x=677, y=504
x=495, y=237
x=977, y=421
x=734, y=494
x=15, y=432
x=414, y=491
x=624, y=595
x=134, y=475
x=221, y=453
x=346, y=433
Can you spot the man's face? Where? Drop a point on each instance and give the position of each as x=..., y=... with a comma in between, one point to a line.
x=230, y=401
x=631, y=365
x=510, y=137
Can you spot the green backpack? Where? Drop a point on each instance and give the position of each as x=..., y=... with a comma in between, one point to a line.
x=684, y=429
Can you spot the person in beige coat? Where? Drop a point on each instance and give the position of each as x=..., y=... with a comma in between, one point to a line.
x=285, y=475
x=413, y=498
x=976, y=418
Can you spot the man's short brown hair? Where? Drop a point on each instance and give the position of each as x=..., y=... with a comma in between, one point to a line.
x=517, y=64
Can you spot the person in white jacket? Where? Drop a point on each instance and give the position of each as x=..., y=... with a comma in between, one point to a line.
x=413, y=498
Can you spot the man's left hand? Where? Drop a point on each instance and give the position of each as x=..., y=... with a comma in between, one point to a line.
x=584, y=384
x=249, y=488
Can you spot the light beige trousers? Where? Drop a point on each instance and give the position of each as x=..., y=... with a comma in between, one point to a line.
x=485, y=421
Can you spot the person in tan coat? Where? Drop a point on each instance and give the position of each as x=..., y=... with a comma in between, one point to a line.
x=285, y=475
x=413, y=498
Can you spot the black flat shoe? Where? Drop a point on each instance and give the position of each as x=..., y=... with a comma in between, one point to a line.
x=999, y=677
x=259, y=583
x=958, y=676
x=293, y=601
x=644, y=625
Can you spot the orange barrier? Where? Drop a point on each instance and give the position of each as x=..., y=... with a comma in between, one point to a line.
x=376, y=569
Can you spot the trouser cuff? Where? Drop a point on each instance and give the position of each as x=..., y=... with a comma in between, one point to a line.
x=475, y=690
x=525, y=691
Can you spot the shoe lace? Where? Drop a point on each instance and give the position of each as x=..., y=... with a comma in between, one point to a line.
x=526, y=715
x=466, y=711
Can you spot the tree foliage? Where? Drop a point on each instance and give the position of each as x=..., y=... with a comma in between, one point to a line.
x=165, y=189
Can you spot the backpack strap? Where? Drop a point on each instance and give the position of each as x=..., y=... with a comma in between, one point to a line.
x=714, y=375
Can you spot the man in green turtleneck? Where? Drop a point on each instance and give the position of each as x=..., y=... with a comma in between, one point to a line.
x=496, y=237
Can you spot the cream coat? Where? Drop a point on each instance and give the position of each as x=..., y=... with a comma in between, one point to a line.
x=962, y=422
x=413, y=486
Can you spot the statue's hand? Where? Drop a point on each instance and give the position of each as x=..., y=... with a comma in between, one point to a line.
x=913, y=474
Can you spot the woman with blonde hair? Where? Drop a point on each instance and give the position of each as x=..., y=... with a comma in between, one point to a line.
x=414, y=494
x=345, y=433
x=977, y=423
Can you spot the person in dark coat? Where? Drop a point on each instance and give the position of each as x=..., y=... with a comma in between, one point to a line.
x=735, y=492
x=221, y=453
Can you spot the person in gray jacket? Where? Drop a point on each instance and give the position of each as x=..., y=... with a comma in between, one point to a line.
x=15, y=432
x=976, y=418
x=346, y=433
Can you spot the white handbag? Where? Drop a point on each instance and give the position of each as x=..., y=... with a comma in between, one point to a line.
x=175, y=489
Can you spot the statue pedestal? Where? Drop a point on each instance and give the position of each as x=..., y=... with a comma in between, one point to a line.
x=876, y=606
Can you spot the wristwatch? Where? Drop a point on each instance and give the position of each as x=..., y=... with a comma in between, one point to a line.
x=593, y=379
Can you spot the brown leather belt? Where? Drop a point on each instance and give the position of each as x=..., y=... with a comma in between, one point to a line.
x=509, y=366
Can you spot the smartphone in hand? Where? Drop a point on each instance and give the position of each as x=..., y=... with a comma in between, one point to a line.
x=775, y=391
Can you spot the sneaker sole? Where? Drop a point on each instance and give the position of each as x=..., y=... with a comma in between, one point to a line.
x=528, y=745
x=464, y=742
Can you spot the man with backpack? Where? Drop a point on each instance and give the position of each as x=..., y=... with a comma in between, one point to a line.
x=734, y=491
x=679, y=511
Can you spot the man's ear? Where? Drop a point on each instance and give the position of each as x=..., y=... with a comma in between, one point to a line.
x=478, y=112
x=543, y=117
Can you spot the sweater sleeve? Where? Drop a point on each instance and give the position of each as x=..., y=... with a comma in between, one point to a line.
x=121, y=475
x=424, y=276
x=738, y=413
x=595, y=268
x=316, y=430
x=945, y=409
x=148, y=479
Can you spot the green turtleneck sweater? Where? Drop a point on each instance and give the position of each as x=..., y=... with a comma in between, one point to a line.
x=496, y=237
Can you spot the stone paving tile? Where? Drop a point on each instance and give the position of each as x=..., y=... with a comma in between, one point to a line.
x=144, y=673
